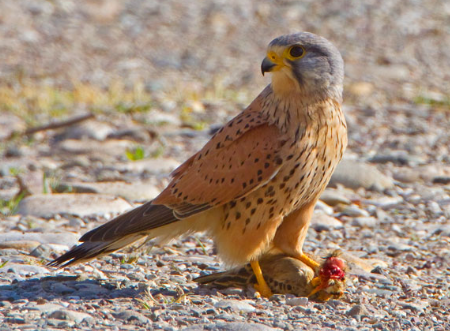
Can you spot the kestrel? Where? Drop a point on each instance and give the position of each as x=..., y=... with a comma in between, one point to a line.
x=288, y=275
x=254, y=185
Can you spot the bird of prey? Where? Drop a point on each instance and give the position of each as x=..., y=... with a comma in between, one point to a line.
x=287, y=275
x=254, y=185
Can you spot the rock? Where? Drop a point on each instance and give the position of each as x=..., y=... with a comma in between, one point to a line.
x=88, y=130
x=131, y=316
x=415, y=307
x=333, y=198
x=26, y=245
x=66, y=314
x=385, y=202
x=322, y=222
x=358, y=310
x=109, y=147
x=369, y=222
x=23, y=270
x=42, y=251
x=234, y=326
x=407, y=175
x=235, y=305
x=48, y=205
x=46, y=308
x=136, y=191
x=61, y=289
x=354, y=175
x=301, y=301
x=354, y=211
x=397, y=157
x=62, y=238
x=441, y=180
x=150, y=166
x=323, y=207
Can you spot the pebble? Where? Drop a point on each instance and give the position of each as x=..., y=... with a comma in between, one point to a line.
x=46, y=307
x=34, y=239
x=354, y=211
x=149, y=166
x=49, y=205
x=354, y=175
x=358, y=310
x=108, y=147
x=91, y=129
x=136, y=191
x=441, y=180
x=301, y=301
x=70, y=315
x=333, y=198
x=131, y=316
x=235, y=305
x=322, y=222
x=369, y=222
x=23, y=270
x=397, y=157
x=234, y=326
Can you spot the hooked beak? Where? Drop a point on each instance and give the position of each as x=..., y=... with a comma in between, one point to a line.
x=267, y=65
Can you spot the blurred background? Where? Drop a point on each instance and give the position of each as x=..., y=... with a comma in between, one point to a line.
x=151, y=70
x=57, y=56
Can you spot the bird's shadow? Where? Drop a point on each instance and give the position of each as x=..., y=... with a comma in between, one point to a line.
x=67, y=288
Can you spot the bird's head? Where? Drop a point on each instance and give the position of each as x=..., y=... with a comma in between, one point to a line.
x=304, y=63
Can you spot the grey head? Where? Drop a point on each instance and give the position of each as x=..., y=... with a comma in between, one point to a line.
x=305, y=63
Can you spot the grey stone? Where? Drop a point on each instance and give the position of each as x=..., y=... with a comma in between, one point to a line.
x=333, y=198
x=369, y=222
x=109, y=147
x=61, y=289
x=66, y=314
x=150, y=166
x=144, y=190
x=354, y=211
x=23, y=270
x=130, y=316
x=238, y=306
x=354, y=175
x=441, y=180
x=48, y=205
x=61, y=238
x=358, y=310
x=235, y=326
x=301, y=301
x=397, y=157
x=88, y=130
x=46, y=308
x=42, y=251
x=322, y=222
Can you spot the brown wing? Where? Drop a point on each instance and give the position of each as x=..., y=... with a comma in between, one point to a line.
x=241, y=157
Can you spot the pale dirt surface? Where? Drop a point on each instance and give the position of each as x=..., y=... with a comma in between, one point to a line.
x=191, y=66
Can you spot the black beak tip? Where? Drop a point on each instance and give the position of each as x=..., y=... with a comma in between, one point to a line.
x=267, y=66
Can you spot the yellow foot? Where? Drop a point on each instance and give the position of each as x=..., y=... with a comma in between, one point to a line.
x=262, y=286
x=317, y=285
x=309, y=262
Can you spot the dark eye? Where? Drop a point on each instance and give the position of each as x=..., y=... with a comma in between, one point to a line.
x=296, y=51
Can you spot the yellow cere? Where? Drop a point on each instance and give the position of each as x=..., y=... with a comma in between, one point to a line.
x=291, y=53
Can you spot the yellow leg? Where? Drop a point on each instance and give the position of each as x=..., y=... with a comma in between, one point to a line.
x=315, y=282
x=309, y=262
x=262, y=286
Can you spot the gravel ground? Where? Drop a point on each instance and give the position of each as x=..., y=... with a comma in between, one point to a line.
x=191, y=66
